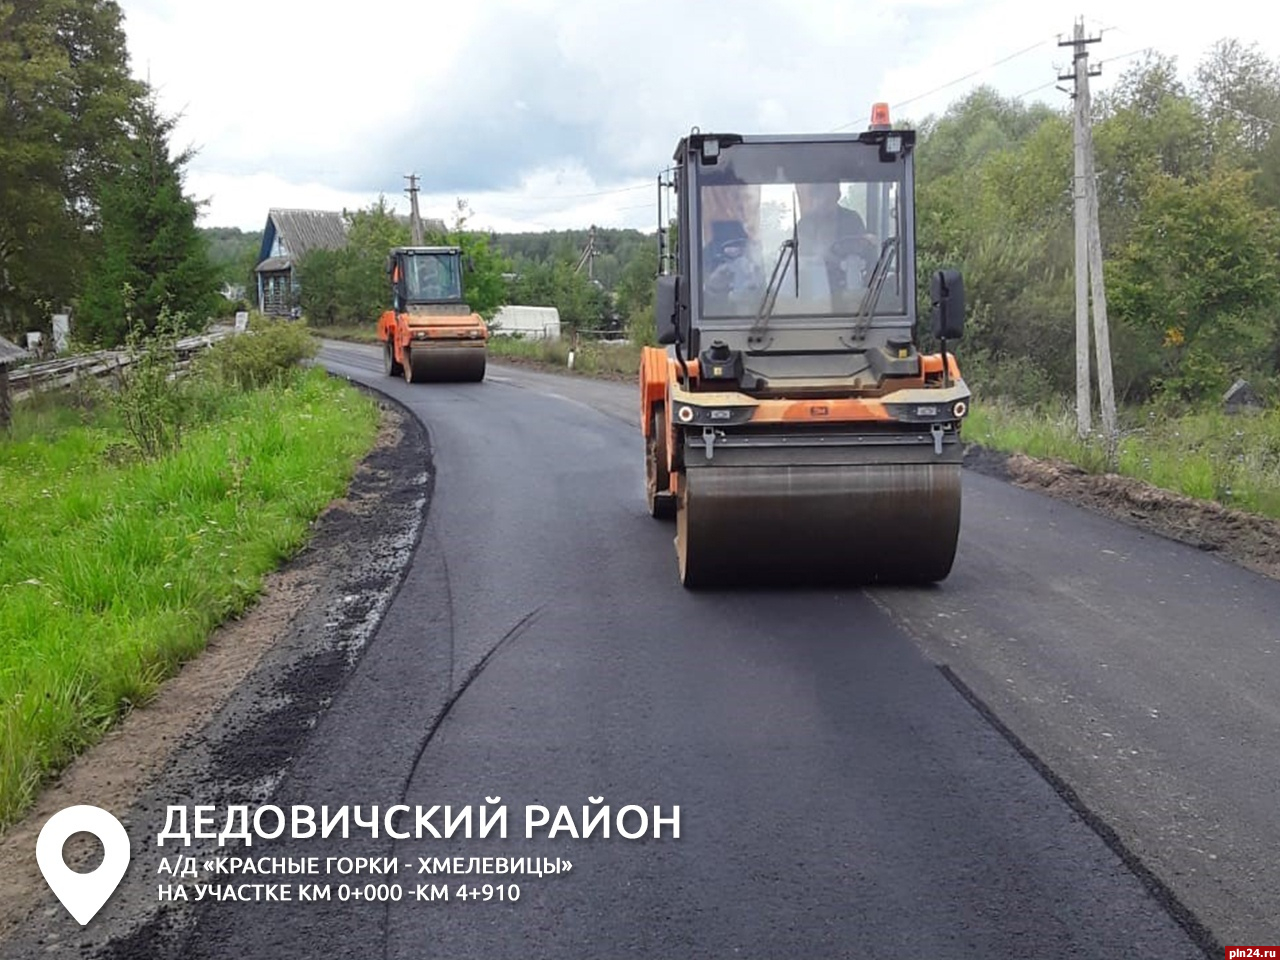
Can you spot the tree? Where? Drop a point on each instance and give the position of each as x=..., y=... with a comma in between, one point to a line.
x=581, y=303
x=350, y=285
x=1240, y=91
x=635, y=292
x=993, y=198
x=320, y=275
x=483, y=286
x=1149, y=125
x=233, y=252
x=153, y=256
x=66, y=97
x=1198, y=281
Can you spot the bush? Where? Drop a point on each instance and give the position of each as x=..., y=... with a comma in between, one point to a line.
x=150, y=397
x=264, y=354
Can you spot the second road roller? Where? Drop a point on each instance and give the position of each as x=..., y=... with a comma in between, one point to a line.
x=430, y=333
x=793, y=428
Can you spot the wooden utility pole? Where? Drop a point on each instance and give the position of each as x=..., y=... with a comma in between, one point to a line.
x=1088, y=262
x=415, y=221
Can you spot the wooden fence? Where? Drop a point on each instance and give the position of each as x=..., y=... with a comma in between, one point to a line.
x=64, y=371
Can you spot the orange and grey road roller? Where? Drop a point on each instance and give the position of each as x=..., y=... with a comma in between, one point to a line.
x=430, y=333
x=793, y=429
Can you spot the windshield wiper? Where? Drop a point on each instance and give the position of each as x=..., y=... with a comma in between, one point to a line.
x=788, y=254
x=867, y=308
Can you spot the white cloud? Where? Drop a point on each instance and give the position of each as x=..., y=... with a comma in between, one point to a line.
x=525, y=106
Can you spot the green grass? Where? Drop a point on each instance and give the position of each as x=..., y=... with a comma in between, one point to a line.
x=1210, y=455
x=353, y=333
x=612, y=360
x=114, y=571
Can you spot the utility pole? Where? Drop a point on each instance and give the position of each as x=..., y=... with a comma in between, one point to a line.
x=415, y=221
x=588, y=255
x=1088, y=250
x=1080, y=74
x=1101, y=331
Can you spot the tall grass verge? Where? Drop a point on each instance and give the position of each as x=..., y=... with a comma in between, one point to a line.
x=118, y=557
x=1233, y=459
x=591, y=358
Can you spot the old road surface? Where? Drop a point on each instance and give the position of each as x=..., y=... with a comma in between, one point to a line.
x=1068, y=749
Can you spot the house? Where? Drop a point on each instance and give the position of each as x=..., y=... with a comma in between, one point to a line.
x=288, y=237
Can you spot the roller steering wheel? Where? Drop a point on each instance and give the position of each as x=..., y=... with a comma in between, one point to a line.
x=854, y=245
x=720, y=250
x=721, y=275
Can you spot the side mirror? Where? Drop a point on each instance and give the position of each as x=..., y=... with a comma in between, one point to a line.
x=947, y=293
x=471, y=265
x=666, y=302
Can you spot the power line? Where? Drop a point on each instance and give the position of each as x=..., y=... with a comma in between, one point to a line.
x=1242, y=115
x=1043, y=86
x=952, y=83
x=968, y=76
x=1125, y=56
x=597, y=193
x=507, y=197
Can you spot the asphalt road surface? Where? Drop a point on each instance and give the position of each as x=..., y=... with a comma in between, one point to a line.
x=1067, y=749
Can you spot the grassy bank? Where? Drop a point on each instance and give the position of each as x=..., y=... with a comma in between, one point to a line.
x=612, y=360
x=114, y=568
x=1233, y=459
x=353, y=333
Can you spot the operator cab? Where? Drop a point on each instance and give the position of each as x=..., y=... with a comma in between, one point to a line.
x=809, y=225
x=425, y=276
x=795, y=270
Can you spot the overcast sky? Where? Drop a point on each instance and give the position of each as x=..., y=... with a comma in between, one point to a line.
x=552, y=114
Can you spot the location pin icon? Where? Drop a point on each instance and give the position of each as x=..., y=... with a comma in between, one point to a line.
x=83, y=894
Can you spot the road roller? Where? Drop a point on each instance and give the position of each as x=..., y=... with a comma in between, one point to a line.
x=430, y=334
x=793, y=429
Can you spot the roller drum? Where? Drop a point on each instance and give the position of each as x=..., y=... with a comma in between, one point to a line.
x=437, y=364
x=824, y=523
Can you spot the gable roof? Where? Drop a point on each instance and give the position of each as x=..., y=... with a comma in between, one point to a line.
x=303, y=231
x=307, y=230
x=10, y=351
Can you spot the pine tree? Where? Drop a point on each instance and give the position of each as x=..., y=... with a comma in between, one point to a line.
x=153, y=255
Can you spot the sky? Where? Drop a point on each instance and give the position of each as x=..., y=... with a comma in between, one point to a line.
x=559, y=114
